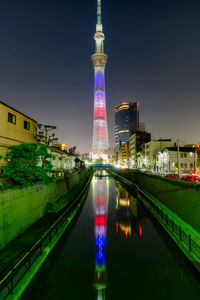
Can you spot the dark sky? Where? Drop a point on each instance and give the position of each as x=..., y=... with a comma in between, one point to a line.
x=154, y=55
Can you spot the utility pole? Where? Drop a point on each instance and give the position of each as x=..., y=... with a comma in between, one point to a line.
x=178, y=158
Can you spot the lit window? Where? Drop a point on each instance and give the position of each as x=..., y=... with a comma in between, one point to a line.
x=11, y=118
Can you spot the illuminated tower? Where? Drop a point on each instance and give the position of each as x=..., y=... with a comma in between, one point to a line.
x=99, y=59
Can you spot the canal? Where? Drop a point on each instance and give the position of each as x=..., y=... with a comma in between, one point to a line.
x=115, y=250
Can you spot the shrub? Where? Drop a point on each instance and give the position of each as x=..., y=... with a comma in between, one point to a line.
x=28, y=164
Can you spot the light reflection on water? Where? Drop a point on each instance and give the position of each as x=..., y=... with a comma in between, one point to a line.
x=129, y=216
x=129, y=220
x=115, y=250
x=100, y=200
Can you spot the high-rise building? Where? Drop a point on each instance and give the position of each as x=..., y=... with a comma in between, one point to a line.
x=137, y=142
x=126, y=121
x=99, y=60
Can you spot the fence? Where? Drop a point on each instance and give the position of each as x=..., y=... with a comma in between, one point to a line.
x=172, y=226
x=13, y=276
x=175, y=229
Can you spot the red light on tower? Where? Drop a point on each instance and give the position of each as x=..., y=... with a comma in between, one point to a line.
x=140, y=230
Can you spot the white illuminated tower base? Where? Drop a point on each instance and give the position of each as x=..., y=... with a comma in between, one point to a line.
x=99, y=59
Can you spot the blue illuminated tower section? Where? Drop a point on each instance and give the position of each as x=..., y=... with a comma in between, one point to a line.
x=99, y=59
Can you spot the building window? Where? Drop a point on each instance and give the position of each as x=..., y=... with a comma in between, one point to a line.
x=26, y=125
x=182, y=166
x=11, y=118
x=181, y=155
x=185, y=165
x=185, y=154
x=191, y=165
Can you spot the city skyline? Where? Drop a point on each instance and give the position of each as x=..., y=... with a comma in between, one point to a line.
x=42, y=54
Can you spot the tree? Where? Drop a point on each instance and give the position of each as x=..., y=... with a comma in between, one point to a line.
x=28, y=164
x=43, y=136
x=176, y=164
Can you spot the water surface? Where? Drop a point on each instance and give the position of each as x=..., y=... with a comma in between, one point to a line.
x=116, y=250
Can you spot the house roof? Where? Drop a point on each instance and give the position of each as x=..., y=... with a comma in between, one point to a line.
x=181, y=149
x=1, y=102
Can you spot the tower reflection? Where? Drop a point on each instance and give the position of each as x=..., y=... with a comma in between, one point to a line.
x=129, y=215
x=100, y=200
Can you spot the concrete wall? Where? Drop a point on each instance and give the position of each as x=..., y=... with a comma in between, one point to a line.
x=182, y=198
x=20, y=208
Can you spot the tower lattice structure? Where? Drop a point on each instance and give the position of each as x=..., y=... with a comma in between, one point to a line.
x=99, y=60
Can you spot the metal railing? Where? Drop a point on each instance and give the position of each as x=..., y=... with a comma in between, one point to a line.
x=16, y=273
x=179, y=232
x=184, y=237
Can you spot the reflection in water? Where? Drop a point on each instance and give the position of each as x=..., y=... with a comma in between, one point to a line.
x=100, y=200
x=129, y=216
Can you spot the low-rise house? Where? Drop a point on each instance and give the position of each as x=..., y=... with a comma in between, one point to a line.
x=15, y=128
x=62, y=160
x=168, y=160
x=151, y=151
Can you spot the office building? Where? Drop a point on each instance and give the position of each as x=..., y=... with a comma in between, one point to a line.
x=126, y=121
x=137, y=141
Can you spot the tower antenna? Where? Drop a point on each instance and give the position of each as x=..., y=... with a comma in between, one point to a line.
x=98, y=11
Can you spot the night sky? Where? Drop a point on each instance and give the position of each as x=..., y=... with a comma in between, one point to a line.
x=153, y=50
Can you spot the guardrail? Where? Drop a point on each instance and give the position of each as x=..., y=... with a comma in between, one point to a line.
x=175, y=229
x=191, y=245
x=14, y=275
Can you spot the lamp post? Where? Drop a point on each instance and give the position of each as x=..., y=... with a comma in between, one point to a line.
x=178, y=158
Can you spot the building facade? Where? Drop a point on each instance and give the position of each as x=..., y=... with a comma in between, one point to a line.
x=137, y=141
x=168, y=160
x=62, y=147
x=126, y=121
x=15, y=128
x=99, y=60
x=123, y=155
x=151, y=151
x=61, y=160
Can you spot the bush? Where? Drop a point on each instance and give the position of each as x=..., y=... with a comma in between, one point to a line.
x=28, y=164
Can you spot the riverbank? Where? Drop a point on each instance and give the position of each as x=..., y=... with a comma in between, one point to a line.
x=38, y=241
x=21, y=208
x=185, y=236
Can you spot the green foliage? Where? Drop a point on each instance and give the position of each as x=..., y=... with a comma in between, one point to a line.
x=43, y=135
x=198, y=162
x=28, y=164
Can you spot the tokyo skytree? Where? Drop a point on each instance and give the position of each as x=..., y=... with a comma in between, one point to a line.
x=99, y=59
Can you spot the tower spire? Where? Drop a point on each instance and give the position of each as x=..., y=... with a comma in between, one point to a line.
x=98, y=11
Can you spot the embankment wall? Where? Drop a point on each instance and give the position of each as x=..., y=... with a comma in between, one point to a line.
x=183, y=198
x=20, y=208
